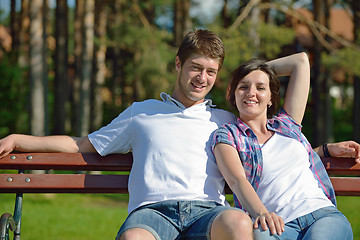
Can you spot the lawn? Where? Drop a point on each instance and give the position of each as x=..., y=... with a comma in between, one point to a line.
x=89, y=216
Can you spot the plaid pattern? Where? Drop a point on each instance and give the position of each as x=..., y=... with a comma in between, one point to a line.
x=243, y=139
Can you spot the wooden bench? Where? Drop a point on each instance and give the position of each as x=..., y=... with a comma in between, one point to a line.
x=344, y=172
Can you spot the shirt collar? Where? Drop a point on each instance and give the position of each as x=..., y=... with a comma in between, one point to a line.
x=246, y=129
x=167, y=98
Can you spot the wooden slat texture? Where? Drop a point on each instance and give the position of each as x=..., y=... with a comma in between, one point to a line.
x=67, y=161
x=346, y=186
x=63, y=183
x=341, y=170
x=341, y=166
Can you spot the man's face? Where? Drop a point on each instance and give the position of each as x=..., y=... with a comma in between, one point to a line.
x=195, y=79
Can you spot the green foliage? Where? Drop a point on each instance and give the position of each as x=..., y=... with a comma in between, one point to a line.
x=346, y=58
x=240, y=48
x=151, y=57
x=13, y=96
x=273, y=38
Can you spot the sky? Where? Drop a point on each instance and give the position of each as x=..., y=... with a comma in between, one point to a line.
x=207, y=9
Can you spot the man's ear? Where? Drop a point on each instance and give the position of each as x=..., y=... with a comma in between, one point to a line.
x=177, y=63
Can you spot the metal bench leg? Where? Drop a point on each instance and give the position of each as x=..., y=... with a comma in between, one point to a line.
x=17, y=215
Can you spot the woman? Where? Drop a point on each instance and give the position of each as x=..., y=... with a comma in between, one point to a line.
x=270, y=155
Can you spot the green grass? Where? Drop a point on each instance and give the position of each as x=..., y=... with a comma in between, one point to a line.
x=91, y=216
x=69, y=216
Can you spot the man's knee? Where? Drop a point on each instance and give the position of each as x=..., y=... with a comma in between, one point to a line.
x=231, y=224
x=136, y=234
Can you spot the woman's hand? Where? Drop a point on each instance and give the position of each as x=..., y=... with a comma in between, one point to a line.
x=272, y=221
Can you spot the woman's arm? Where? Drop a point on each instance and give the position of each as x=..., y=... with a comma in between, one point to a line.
x=28, y=143
x=231, y=168
x=298, y=68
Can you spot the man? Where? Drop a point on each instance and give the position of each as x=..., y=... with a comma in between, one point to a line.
x=175, y=187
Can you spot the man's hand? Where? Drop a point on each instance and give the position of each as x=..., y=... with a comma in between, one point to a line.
x=345, y=149
x=7, y=145
x=272, y=221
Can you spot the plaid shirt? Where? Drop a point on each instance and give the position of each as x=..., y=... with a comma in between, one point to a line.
x=241, y=137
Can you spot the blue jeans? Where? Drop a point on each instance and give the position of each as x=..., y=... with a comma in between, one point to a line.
x=323, y=224
x=170, y=220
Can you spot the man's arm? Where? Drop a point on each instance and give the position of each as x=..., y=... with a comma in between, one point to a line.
x=28, y=143
x=341, y=149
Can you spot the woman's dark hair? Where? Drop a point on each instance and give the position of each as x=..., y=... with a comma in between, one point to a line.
x=203, y=42
x=245, y=69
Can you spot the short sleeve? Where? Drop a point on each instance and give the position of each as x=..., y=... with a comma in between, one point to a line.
x=114, y=137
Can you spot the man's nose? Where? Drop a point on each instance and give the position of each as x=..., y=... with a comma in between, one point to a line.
x=202, y=76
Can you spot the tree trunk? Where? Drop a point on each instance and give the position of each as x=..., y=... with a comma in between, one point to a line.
x=23, y=59
x=182, y=21
x=317, y=110
x=356, y=109
x=225, y=15
x=99, y=66
x=87, y=58
x=37, y=98
x=46, y=23
x=75, y=84
x=254, y=30
x=61, y=67
x=14, y=28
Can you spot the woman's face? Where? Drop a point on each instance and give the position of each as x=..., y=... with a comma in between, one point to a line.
x=253, y=96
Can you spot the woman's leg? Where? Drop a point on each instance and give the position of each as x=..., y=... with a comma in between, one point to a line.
x=329, y=224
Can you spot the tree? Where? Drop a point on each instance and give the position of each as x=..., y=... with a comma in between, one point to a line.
x=75, y=83
x=61, y=67
x=37, y=63
x=182, y=21
x=24, y=21
x=356, y=108
x=87, y=60
x=318, y=120
x=99, y=65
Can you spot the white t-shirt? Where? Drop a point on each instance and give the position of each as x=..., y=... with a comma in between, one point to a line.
x=287, y=186
x=171, y=150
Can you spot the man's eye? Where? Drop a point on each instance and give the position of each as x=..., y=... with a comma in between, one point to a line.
x=211, y=73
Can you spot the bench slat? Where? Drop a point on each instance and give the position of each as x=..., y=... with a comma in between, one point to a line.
x=341, y=166
x=346, y=186
x=122, y=162
x=67, y=161
x=63, y=183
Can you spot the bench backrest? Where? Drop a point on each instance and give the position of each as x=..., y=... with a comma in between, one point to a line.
x=344, y=172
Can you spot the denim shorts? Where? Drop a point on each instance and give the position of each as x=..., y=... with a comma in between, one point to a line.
x=326, y=223
x=173, y=219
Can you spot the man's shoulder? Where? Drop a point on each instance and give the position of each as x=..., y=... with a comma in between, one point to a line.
x=146, y=103
x=222, y=115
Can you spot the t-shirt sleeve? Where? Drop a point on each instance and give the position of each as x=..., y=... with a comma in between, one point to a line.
x=114, y=137
x=284, y=117
x=222, y=135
